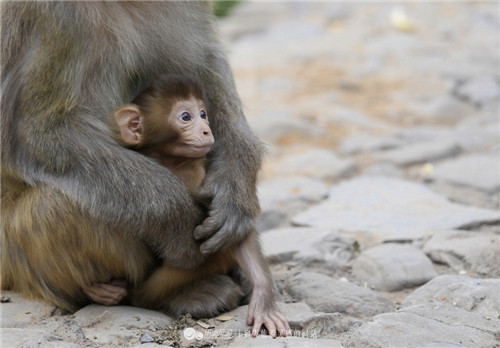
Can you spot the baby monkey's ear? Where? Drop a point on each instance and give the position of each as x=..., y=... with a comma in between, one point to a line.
x=130, y=119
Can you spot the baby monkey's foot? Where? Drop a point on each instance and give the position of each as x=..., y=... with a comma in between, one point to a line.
x=263, y=312
x=108, y=294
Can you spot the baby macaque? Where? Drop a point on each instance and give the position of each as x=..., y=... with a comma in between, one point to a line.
x=169, y=122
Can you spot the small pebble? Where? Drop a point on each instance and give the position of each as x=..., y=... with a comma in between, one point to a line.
x=147, y=338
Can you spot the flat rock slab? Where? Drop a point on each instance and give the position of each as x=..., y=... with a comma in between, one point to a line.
x=283, y=342
x=481, y=296
x=300, y=318
x=391, y=267
x=412, y=330
x=22, y=312
x=118, y=325
x=330, y=324
x=282, y=196
x=384, y=169
x=316, y=163
x=421, y=152
x=275, y=124
x=480, y=90
x=282, y=190
x=453, y=315
x=438, y=344
x=390, y=209
x=470, y=251
x=307, y=245
x=15, y=337
x=114, y=317
x=153, y=345
x=329, y=295
x=477, y=171
x=342, y=116
x=368, y=143
x=441, y=108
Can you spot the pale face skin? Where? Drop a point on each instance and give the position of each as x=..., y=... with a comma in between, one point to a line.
x=185, y=130
x=193, y=138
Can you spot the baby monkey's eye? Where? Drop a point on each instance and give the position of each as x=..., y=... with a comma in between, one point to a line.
x=186, y=116
x=203, y=114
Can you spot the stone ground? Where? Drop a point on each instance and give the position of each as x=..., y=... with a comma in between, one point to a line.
x=380, y=193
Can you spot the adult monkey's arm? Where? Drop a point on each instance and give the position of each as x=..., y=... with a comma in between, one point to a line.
x=233, y=164
x=65, y=66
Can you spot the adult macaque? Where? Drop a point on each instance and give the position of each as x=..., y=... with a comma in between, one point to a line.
x=78, y=209
x=169, y=122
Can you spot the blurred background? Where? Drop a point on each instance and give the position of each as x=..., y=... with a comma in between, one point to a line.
x=340, y=89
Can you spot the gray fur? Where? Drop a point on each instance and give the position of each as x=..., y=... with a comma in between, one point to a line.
x=65, y=67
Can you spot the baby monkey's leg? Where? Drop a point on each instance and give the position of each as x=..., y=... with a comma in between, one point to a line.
x=262, y=309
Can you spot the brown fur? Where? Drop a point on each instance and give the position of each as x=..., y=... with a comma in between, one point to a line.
x=40, y=263
x=220, y=294
x=151, y=125
x=168, y=283
x=78, y=208
x=177, y=289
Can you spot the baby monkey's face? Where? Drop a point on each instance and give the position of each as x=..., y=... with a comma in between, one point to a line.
x=188, y=120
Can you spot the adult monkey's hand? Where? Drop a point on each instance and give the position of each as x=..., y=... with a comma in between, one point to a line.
x=232, y=192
